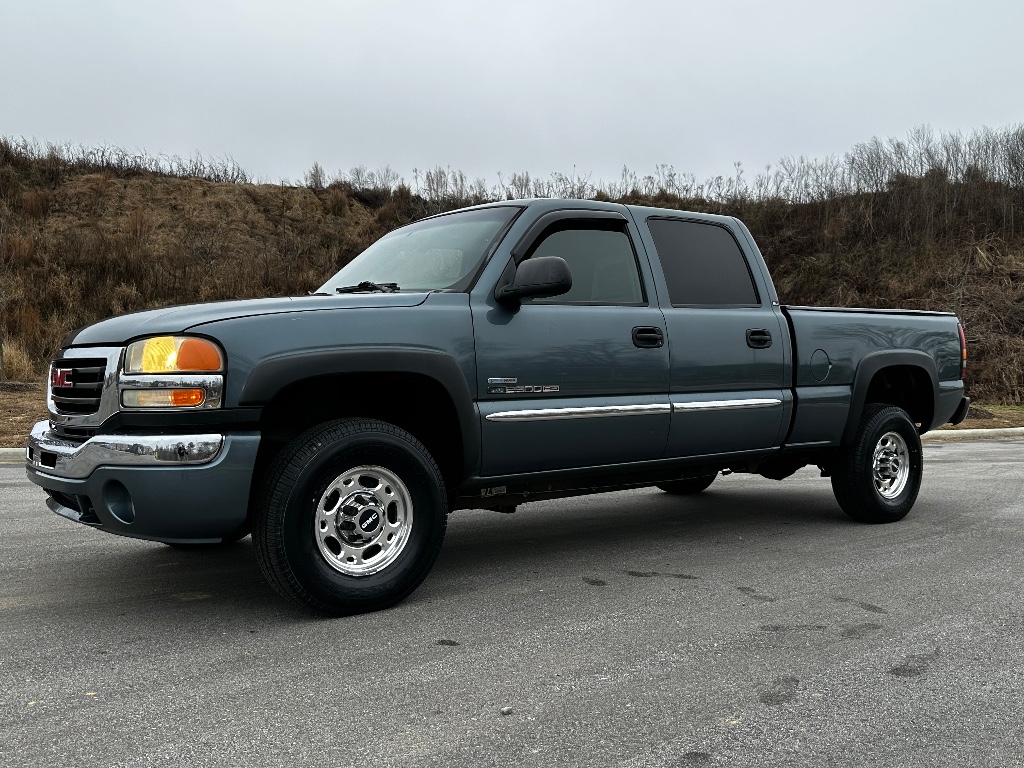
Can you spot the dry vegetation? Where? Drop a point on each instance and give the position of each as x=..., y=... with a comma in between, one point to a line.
x=992, y=417
x=933, y=222
x=21, y=406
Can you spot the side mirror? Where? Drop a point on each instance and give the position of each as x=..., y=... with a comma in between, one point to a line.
x=537, y=277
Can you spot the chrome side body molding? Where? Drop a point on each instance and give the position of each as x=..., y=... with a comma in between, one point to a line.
x=603, y=411
x=695, y=406
x=592, y=412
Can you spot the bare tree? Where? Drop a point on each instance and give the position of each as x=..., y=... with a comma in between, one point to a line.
x=315, y=177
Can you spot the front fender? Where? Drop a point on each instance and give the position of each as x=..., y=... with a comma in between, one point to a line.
x=274, y=374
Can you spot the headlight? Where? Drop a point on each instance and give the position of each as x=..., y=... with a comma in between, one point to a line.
x=173, y=354
x=172, y=372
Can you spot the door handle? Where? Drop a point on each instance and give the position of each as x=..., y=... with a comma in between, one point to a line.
x=648, y=337
x=759, y=338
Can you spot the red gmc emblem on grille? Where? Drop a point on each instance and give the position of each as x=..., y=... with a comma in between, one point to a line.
x=60, y=377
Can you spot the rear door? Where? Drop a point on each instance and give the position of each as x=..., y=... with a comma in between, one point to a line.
x=728, y=357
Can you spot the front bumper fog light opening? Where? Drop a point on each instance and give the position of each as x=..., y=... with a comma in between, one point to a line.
x=118, y=501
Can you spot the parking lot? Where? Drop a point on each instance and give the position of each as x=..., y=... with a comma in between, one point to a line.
x=754, y=625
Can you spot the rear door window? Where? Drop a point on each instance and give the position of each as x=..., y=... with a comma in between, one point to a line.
x=703, y=264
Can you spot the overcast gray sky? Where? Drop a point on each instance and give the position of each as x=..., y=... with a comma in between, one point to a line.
x=521, y=85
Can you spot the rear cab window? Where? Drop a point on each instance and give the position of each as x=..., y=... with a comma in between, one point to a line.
x=703, y=264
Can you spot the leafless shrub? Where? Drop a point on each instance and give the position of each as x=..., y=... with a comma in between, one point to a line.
x=373, y=188
x=315, y=177
x=519, y=186
x=336, y=201
x=53, y=162
x=443, y=189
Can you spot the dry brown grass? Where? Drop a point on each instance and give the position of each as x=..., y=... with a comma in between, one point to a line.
x=17, y=363
x=991, y=417
x=19, y=410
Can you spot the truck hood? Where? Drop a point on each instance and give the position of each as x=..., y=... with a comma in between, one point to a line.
x=118, y=330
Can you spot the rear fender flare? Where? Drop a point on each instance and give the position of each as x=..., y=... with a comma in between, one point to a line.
x=870, y=365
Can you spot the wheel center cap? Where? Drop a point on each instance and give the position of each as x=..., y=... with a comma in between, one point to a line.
x=368, y=521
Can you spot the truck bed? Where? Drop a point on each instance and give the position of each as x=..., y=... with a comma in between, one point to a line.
x=833, y=349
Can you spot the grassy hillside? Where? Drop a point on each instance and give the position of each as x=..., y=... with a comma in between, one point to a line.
x=87, y=234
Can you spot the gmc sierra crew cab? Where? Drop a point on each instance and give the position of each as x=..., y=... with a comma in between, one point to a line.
x=483, y=358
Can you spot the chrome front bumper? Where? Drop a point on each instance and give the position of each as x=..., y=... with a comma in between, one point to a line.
x=51, y=454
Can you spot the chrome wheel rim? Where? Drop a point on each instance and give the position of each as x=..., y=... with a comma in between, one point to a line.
x=891, y=465
x=363, y=520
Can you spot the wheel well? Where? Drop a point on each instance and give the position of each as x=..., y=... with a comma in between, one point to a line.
x=906, y=386
x=416, y=403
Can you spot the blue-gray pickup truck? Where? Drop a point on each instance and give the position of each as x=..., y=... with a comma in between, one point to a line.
x=484, y=358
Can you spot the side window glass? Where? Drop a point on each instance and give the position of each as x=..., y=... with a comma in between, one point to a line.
x=602, y=263
x=703, y=264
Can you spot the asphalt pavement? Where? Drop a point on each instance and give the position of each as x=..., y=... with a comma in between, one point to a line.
x=754, y=625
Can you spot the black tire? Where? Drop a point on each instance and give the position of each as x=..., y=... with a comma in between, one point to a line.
x=853, y=478
x=688, y=487
x=291, y=554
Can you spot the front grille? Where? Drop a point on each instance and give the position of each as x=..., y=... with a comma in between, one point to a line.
x=75, y=433
x=84, y=384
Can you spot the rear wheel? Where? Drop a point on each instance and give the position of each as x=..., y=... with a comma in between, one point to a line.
x=878, y=476
x=688, y=487
x=350, y=518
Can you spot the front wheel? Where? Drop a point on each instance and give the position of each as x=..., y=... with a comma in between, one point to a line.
x=877, y=477
x=350, y=518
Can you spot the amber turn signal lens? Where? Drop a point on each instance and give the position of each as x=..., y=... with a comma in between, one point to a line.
x=162, y=398
x=187, y=397
x=198, y=355
x=173, y=354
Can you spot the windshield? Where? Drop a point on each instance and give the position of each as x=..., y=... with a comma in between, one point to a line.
x=438, y=253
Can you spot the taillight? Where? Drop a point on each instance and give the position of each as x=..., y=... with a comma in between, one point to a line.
x=963, y=351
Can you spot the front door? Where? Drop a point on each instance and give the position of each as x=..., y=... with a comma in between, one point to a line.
x=578, y=380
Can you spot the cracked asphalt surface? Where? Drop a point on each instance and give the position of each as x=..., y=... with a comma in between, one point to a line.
x=751, y=626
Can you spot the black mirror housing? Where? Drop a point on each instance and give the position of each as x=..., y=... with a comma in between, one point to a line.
x=537, y=277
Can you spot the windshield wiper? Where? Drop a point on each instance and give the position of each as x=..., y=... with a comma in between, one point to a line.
x=366, y=285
